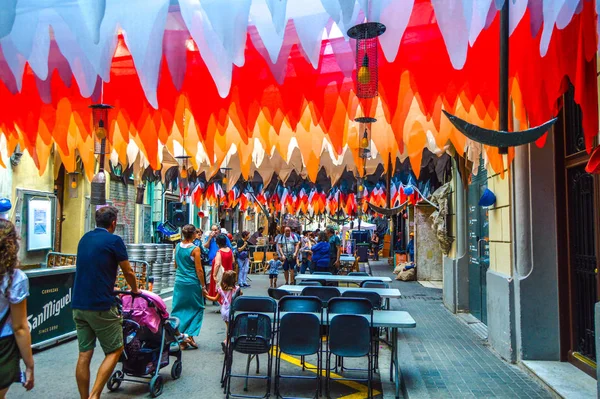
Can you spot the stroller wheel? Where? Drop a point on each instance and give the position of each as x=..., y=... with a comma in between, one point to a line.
x=156, y=386
x=114, y=382
x=176, y=369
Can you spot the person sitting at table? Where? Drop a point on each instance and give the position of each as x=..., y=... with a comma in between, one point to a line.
x=320, y=254
x=253, y=240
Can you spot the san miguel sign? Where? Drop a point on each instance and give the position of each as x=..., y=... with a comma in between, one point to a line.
x=49, y=313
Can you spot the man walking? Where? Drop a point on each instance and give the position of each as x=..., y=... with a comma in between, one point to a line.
x=335, y=250
x=211, y=244
x=99, y=254
x=288, y=245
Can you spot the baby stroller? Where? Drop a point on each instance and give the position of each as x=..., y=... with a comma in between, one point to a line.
x=148, y=333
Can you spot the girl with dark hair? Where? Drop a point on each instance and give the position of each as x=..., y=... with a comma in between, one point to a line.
x=225, y=293
x=15, y=338
x=222, y=263
x=188, y=301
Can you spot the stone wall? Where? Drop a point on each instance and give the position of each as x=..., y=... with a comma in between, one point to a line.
x=428, y=256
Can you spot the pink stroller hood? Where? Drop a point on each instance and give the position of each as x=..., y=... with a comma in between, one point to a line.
x=142, y=313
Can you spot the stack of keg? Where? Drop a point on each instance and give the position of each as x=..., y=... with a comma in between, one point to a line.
x=135, y=251
x=171, y=263
x=150, y=256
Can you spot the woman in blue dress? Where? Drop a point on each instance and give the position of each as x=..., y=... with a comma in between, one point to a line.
x=188, y=301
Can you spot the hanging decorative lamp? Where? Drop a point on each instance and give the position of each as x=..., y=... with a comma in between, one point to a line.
x=366, y=35
x=139, y=195
x=101, y=124
x=73, y=184
x=364, y=145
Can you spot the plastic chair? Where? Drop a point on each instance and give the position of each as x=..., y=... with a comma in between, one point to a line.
x=277, y=293
x=246, y=304
x=374, y=284
x=323, y=293
x=377, y=304
x=251, y=334
x=310, y=282
x=257, y=261
x=308, y=304
x=299, y=336
x=357, y=344
x=358, y=274
x=373, y=297
x=323, y=273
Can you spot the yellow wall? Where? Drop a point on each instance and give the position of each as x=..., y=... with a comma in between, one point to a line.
x=500, y=228
x=74, y=210
x=26, y=176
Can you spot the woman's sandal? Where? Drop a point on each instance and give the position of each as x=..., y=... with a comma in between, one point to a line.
x=223, y=346
x=190, y=341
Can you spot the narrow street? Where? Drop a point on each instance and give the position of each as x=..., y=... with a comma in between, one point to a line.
x=441, y=358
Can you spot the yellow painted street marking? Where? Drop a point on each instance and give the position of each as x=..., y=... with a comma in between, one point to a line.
x=363, y=390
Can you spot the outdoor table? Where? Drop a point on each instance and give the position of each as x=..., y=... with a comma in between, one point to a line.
x=347, y=258
x=386, y=293
x=342, y=279
x=393, y=319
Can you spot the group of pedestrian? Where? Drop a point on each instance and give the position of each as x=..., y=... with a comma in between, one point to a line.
x=297, y=253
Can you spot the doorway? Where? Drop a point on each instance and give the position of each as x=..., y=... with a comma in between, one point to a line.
x=577, y=204
x=479, y=259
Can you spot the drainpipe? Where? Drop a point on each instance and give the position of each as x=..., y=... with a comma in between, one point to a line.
x=522, y=214
x=461, y=241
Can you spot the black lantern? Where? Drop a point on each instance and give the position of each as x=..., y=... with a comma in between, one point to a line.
x=101, y=124
x=139, y=196
x=364, y=135
x=366, y=35
x=225, y=178
x=360, y=189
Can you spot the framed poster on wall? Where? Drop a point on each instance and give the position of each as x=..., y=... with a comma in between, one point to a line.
x=39, y=224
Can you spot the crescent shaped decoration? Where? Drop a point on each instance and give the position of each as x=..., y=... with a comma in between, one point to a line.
x=499, y=138
x=338, y=221
x=386, y=211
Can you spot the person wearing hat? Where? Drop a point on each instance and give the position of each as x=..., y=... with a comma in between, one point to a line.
x=410, y=248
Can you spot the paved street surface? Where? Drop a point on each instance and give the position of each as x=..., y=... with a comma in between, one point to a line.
x=55, y=368
x=444, y=358
x=441, y=358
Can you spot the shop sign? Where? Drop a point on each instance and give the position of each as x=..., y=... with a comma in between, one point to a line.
x=49, y=313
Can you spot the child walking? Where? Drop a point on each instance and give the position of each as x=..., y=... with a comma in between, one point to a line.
x=274, y=265
x=225, y=292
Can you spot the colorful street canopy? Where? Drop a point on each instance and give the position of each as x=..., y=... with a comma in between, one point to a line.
x=269, y=84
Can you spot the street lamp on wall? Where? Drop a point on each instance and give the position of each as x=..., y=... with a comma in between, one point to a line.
x=101, y=124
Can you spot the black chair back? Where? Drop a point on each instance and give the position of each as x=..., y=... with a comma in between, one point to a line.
x=299, y=334
x=373, y=297
x=349, y=306
x=311, y=282
x=277, y=293
x=345, y=344
x=251, y=333
x=363, y=274
x=309, y=304
x=254, y=304
x=323, y=293
x=374, y=284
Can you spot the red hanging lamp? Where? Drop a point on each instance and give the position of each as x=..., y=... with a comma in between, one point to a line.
x=366, y=35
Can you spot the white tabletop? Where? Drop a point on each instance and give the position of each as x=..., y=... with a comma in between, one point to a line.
x=383, y=292
x=381, y=318
x=347, y=258
x=342, y=279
